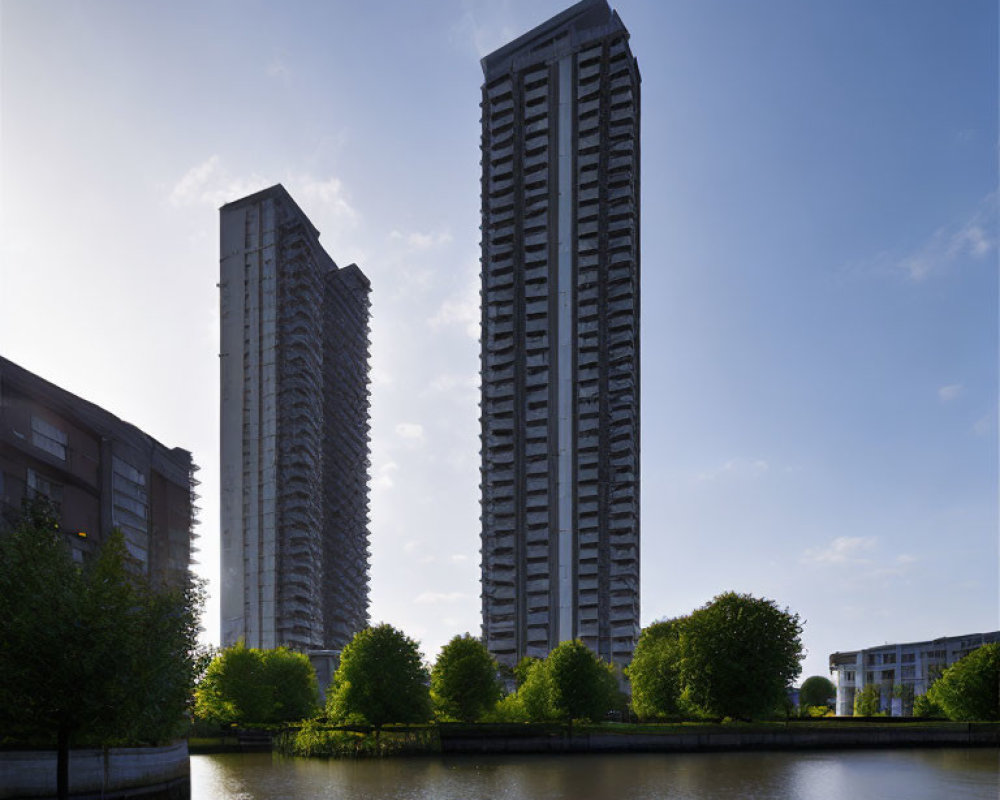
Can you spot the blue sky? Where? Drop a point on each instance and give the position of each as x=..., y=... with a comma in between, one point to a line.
x=819, y=274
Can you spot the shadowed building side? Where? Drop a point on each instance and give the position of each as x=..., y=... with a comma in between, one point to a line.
x=99, y=472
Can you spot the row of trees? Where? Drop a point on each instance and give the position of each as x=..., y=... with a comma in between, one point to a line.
x=734, y=657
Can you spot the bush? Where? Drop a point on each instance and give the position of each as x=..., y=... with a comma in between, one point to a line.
x=250, y=686
x=817, y=691
x=868, y=701
x=969, y=690
x=654, y=673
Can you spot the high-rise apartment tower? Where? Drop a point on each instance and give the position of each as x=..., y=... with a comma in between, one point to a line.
x=560, y=338
x=294, y=431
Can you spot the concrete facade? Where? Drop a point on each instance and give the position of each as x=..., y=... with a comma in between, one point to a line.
x=149, y=772
x=560, y=339
x=294, y=431
x=915, y=665
x=99, y=472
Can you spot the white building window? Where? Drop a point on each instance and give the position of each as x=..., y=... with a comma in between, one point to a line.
x=48, y=437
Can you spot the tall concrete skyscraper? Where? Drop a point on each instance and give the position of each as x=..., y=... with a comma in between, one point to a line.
x=294, y=431
x=560, y=338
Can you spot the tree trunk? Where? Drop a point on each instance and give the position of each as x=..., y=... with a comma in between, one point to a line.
x=62, y=762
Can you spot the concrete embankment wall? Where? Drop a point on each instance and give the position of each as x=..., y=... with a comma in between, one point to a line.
x=958, y=735
x=153, y=773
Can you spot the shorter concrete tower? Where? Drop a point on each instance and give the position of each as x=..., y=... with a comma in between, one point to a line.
x=294, y=431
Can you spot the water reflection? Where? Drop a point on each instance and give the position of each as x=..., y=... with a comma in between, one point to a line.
x=957, y=774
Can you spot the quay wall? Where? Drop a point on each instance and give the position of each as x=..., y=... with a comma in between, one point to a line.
x=153, y=773
x=954, y=735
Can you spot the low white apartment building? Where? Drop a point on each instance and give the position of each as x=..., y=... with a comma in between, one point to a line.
x=914, y=665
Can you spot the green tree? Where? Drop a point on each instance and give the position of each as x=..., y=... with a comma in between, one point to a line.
x=296, y=693
x=380, y=679
x=582, y=686
x=738, y=656
x=246, y=685
x=816, y=691
x=868, y=701
x=89, y=654
x=532, y=702
x=654, y=673
x=464, y=683
x=923, y=706
x=969, y=690
x=523, y=669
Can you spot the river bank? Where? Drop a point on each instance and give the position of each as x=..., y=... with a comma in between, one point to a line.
x=485, y=738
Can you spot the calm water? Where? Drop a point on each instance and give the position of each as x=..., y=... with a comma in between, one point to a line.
x=855, y=775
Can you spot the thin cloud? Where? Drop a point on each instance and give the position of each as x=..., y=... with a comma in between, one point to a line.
x=383, y=474
x=210, y=183
x=411, y=431
x=975, y=239
x=430, y=598
x=842, y=550
x=736, y=468
x=422, y=241
x=484, y=26
x=460, y=309
x=951, y=392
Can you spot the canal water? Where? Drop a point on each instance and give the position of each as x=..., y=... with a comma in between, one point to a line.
x=933, y=774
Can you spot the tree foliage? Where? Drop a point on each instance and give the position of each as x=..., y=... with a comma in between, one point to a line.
x=245, y=686
x=90, y=654
x=816, y=691
x=923, y=706
x=969, y=690
x=655, y=671
x=582, y=686
x=464, y=683
x=738, y=656
x=380, y=679
x=868, y=701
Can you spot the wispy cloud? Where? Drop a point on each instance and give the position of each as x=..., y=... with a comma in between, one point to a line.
x=975, y=239
x=384, y=473
x=410, y=431
x=416, y=240
x=430, y=598
x=484, y=25
x=842, y=550
x=211, y=183
x=950, y=392
x=461, y=308
x=984, y=425
x=277, y=67
x=736, y=468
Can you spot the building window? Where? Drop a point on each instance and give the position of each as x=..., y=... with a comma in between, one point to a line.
x=908, y=658
x=48, y=437
x=888, y=658
x=907, y=672
x=40, y=486
x=130, y=508
x=849, y=676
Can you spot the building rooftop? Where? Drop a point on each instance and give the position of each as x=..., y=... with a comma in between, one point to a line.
x=75, y=407
x=568, y=27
